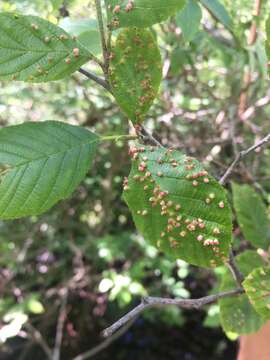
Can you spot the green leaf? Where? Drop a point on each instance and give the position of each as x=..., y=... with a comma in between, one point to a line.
x=141, y=13
x=236, y=313
x=178, y=207
x=41, y=163
x=35, y=50
x=189, y=19
x=135, y=72
x=86, y=31
x=219, y=12
x=251, y=215
x=257, y=286
x=267, y=42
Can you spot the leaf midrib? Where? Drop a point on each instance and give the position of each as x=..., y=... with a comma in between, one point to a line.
x=54, y=154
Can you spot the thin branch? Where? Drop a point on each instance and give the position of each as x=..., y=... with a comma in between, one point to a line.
x=150, y=302
x=60, y=327
x=240, y=156
x=95, y=78
x=96, y=350
x=37, y=336
x=102, y=36
x=145, y=135
x=231, y=264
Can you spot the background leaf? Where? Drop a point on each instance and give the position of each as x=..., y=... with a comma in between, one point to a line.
x=251, y=215
x=178, y=207
x=189, y=19
x=135, y=72
x=35, y=50
x=86, y=31
x=236, y=313
x=44, y=163
x=142, y=13
x=219, y=12
x=257, y=286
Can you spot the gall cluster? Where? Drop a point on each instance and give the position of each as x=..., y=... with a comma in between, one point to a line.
x=179, y=227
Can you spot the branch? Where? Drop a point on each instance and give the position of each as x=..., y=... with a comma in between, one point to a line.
x=95, y=78
x=60, y=326
x=150, y=302
x=102, y=36
x=37, y=336
x=241, y=155
x=106, y=343
x=231, y=264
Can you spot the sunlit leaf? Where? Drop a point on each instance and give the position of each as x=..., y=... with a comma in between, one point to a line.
x=35, y=50
x=44, y=163
x=257, y=286
x=178, y=207
x=141, y=13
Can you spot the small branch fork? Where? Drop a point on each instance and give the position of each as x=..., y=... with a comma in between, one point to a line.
x=241, y=155
x=151, y=302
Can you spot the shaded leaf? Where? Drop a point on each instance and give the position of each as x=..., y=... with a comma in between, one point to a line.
x=219, y=12
x=135, y=72
x=141, y=13
x=257, y=286
x=189, y=19
x=45, y=163
x=251, y=215
x=178, y=207
x=35, y=50
x=236, y=313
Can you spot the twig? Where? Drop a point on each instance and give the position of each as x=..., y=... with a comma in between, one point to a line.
x=106, y=343
x=95, y=78
x=147, y=136
x=102, y=36
x=241, y=155
x=60, y=327
x=37, y=336
x=150, y=302
x=238, y=276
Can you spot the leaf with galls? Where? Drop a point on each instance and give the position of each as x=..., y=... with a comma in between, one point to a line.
x=35, y=50
x=135, y=72
x=141, y=13
x=237, y=315
x=178, y=206
x=257, y=286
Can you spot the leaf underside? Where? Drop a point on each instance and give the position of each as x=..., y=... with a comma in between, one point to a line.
x=257, y=286
x=236, y=313
x=141, y=13
x=41, y=164
x=135, y=72
x=178, y=207
x=35, y=50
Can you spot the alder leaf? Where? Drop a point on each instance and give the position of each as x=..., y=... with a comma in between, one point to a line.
x=135, y=72
x=257, y=286
x=141, y=13
x=178, y=207
x=189, y=19
x=251, y=215
x=236, y=313
x=42, y=163
x=35, y=50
